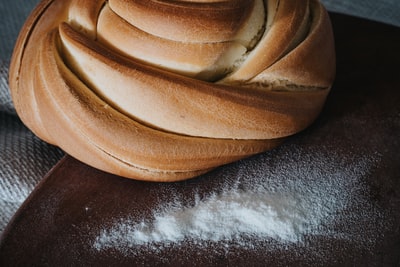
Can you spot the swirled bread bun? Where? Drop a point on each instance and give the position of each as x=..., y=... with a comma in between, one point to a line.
x=168, y=90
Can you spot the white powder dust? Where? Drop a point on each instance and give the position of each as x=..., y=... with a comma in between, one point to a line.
x=282, y=197
x=219, y=217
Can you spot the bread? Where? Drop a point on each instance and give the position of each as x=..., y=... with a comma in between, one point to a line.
x=166, y=91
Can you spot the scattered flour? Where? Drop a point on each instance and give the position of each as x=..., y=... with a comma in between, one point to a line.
x=281, y=197
x=219, y=217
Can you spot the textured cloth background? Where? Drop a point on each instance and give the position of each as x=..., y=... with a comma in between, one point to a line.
x=24, y=159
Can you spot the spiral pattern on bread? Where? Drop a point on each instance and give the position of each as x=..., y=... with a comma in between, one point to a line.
x=168, y=90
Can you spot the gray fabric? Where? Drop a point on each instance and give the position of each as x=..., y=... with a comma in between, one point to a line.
x=24, y=159
x=5, y=97
x=386, y=11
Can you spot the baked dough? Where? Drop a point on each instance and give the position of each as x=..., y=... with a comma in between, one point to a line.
x=168, y=90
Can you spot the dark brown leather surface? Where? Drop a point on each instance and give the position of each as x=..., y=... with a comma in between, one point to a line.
x=362, y=113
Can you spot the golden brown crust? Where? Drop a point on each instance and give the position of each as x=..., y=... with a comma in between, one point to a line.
x=187, y=21
x=315, y=54
x=189, y=59
x=150, y=95
x=288, y=27
x=83, y=15
x=75, y=83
